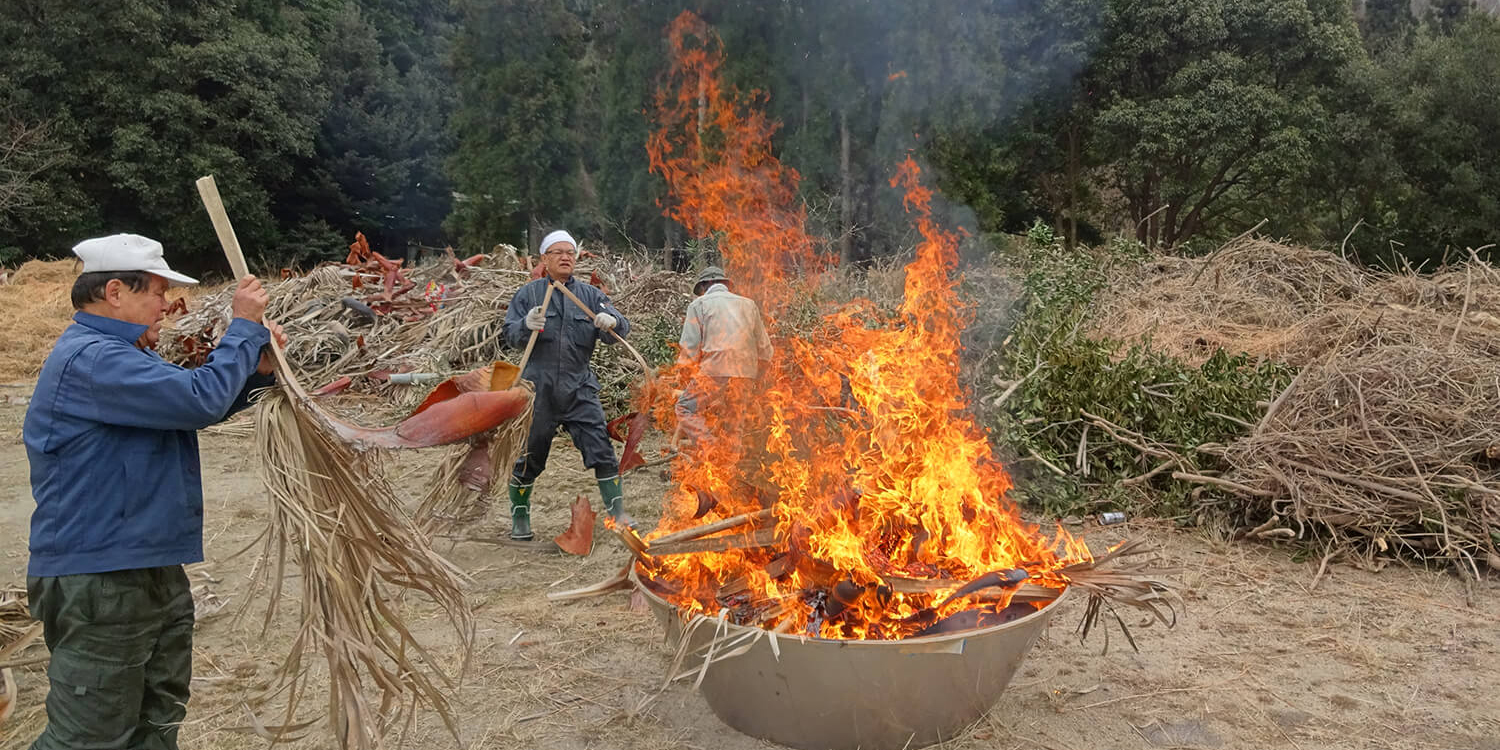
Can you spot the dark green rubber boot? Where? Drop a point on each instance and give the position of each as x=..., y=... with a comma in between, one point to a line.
x=614, y=501
x=520, y=512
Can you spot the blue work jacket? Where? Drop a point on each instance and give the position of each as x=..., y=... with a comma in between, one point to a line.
x=111, y=435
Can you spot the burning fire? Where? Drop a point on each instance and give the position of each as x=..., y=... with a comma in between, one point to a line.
x=885, y=493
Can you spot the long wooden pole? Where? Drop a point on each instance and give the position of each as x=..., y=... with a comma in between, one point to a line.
x=526, y=355
x=208, y=190
x=566, y=293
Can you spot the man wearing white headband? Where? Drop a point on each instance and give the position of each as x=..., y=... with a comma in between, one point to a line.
x=111, y=436
x=567, y=393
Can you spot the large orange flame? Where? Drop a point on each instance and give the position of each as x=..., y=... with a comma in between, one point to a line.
x=858, y=435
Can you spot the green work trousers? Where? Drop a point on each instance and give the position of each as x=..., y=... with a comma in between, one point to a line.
x=122, y=657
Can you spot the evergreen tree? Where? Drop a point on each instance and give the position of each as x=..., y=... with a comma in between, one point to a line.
x=516, y=67
x=144, y=97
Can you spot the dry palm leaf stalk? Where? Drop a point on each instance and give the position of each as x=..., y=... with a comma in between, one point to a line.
x=463, y=484
x=15, y=617
x=17, y=631
x=336, y=517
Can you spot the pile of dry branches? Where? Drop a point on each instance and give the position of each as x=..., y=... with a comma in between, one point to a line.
x=451, y=321
x=1391, y=446
x=1387, y=440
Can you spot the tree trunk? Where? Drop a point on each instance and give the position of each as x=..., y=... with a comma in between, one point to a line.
x=846, y=194
x=1169, y=232
x=668, y=242
x=1070, y=232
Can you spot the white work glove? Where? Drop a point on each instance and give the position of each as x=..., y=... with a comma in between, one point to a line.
x=536, y=319
x=605, y=322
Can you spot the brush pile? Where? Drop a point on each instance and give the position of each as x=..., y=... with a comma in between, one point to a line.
x=1387, y=440
x=351, y=326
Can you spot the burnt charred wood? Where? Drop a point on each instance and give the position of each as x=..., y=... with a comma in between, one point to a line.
x=753, y=540
x=972, y=619
x=993, y=579
x=706, y=503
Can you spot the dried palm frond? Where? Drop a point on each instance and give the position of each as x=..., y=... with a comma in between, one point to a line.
x=333, y=510
x=1136, y=584
x=453, y=499
x=334, y=514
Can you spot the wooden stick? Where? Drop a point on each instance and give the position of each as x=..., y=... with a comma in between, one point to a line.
x=526, y=355
x=1235, y=487
x=1276, y=405
x=653, y=462
x=632, y=541
x=638, y=358
x=1046, y=463
x=1001, y=399
x=208, y=190
x=713, y=528
x=1163, y=466
x=752, y=540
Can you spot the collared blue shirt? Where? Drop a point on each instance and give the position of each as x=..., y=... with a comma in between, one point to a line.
x=111, y=435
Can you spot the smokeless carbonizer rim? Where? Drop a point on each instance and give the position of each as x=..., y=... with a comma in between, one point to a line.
x=942, y=639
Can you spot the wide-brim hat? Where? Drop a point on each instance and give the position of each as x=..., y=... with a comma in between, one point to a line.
x=710, y=275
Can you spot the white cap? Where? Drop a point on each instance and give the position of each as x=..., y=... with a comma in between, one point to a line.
x=553, y=238
x=128, y=252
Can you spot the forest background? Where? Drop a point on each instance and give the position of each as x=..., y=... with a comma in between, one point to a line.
x=1368, y=127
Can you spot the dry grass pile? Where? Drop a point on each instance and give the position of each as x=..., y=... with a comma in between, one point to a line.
x=1387, y=440
x=37, y=310
x=1294, y=304
x=1243, y=298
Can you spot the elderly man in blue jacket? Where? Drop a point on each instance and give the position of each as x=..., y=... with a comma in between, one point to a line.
x=567, y=393
x=111, y=439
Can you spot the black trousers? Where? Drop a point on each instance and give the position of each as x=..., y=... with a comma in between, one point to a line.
x=580, y=413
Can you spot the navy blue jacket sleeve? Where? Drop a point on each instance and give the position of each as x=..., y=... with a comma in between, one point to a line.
x=601, y=303
x=140, y=389
x=516, y=331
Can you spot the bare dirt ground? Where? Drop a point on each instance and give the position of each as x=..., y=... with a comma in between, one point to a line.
x=1403, y=658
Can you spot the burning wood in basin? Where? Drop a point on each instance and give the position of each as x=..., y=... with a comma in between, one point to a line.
x=839, y=520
